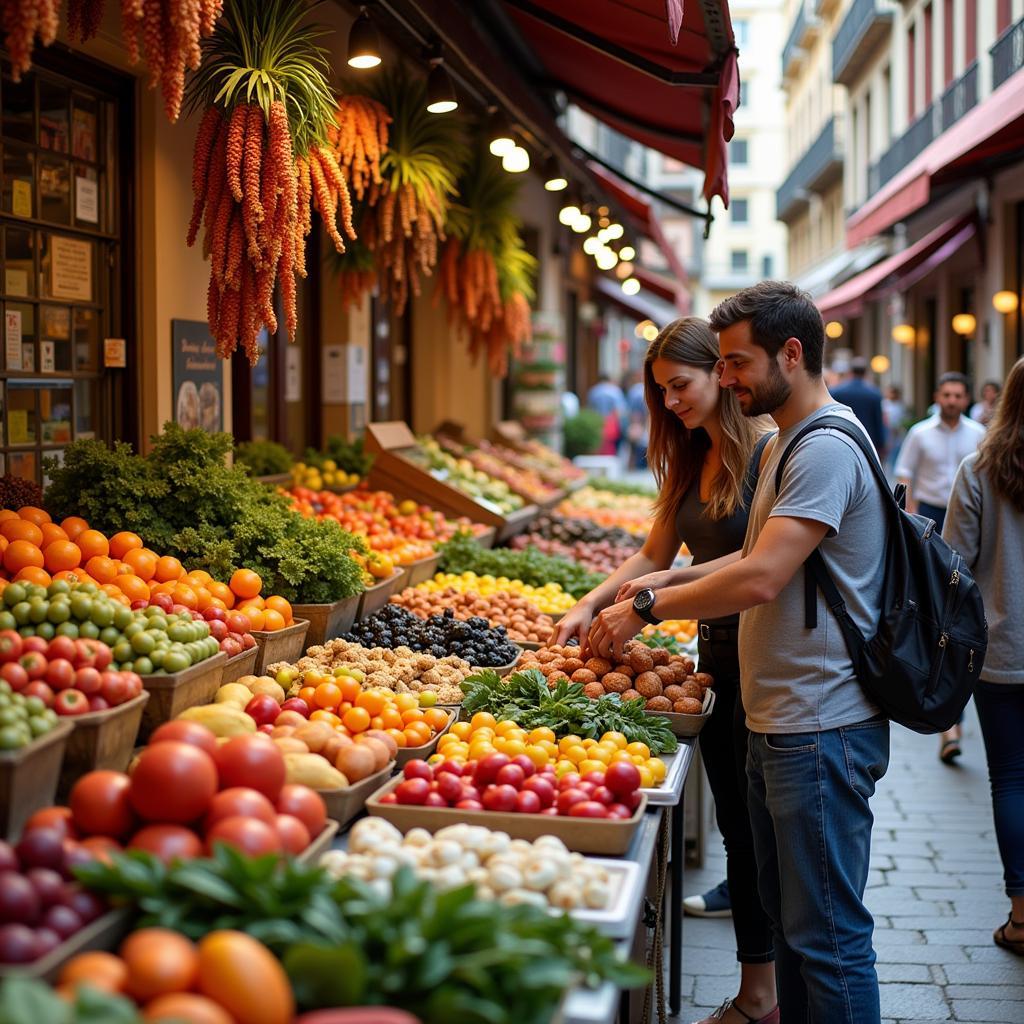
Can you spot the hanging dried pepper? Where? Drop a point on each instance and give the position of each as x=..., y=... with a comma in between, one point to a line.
x=21, y=21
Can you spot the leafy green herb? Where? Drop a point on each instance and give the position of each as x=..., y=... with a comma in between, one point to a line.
x=525, y=698
x=623, y=487
x=264, y=458
x=29, y=1001
x=350, y=456
x=669, y=643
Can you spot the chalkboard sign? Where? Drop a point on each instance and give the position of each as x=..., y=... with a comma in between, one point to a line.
x=198, y=376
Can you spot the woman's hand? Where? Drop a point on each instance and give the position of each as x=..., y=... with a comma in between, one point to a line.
x=613, y=628
x=575, y=623
x=653, y=580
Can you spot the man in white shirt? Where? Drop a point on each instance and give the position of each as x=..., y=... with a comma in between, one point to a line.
x=935, y=447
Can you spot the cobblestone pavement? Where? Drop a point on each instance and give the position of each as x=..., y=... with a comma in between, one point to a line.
x=935, y=890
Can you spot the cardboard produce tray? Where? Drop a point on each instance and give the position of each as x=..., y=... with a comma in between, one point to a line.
x=327, y=621
x=320, y=844
x=344, y=804
x=29, y=777
x=243, y=664
x=618, y=921
x=406, y=754
x=374, y=598
x=102, y=739
x=582, y=835
x=688, y=725
x=288, y=644
x=170, y=694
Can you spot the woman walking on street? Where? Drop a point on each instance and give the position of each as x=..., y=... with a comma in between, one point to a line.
x=705, y=456
x=985, y=523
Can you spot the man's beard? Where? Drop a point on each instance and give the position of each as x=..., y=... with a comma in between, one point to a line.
x=766, y=398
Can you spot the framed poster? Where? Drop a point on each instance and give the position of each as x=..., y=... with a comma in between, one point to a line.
x=70, y=268
x=198, y=376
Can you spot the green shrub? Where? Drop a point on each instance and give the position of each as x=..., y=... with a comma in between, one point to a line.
x=581, y=434
x=264, y=458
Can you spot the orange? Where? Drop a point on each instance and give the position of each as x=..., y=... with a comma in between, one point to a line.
x=436, y=718
x=201, y=576
x=51, y=532
x=3, y=543
x=391, y=718
x=186, y=1006
x=124, y=569
x=34, y=515
x=412, y=715
x=255, y=602
x=159, y=961
x=73, y=526
x=168, y=568
x=22, y=529
x=185, y=595
x=306, y=693
x=350, y=688
x=417, y=733
x=61, y=556
x=110, y=589
x=281, y=606
x=204, y=598
x=323, y=715
x=221, y=592
x=246, y=583
x=376, y=722
x=253, y=614
x=123, y=542
x=372, y=701
x=142, y=561
x=6, y=513
x=244, y=977
x=69, y=576
x=482, y=719
x=273, y=620
x=216, y=602
x=101, y=568
x=327, y=695
x=21, y=553
x=92, y=543
x=398, y=736
x=133, y=588
x=101, y=970
x=33, y=574
x=356, y=720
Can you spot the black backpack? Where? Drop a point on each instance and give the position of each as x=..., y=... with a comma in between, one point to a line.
x=921, y=665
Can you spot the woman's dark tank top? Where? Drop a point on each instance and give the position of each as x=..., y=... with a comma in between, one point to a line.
x=709, y=539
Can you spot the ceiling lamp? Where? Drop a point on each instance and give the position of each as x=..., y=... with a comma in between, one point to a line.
x=627, y=252
x=581, y=224
x=630, y=286
x=516, y=160
x=880, y=363
x=833, y=330
x=904, y=334
x=615, y=231
x=499, y=133
x=964, y=323
x=363, y=43
x=592, y=245
x=624, y=269
x=554, y=180
x=440, y=88
x=650, y=332
x=1005, y=302
x=570, y=210
x=606, y=259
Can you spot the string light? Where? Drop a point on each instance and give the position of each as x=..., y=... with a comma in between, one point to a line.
x=631, y=286
x=1005, y=302
x=964, y=323
x=833, y=330
x=554, y=180
x=627, y=252
x=516, y=160
x=592, y=245
x=499, y=133
x=904, y=334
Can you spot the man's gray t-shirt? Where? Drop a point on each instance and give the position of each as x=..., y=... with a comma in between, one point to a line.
x=795, y=679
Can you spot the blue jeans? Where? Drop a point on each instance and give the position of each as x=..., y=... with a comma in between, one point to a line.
x=811, y=820
x=1001, y=713
x=935, y=512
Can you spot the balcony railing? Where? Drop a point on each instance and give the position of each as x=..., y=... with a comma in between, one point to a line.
x=909, y=145
x=960, y=97
x=1008, y=54
x=820, y=165
x=800, y=35
x=866, y=24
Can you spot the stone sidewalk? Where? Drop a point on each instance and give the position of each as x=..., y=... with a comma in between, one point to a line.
x=935, y=890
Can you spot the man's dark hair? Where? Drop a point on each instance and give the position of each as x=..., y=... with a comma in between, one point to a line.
x=953, y=378
x=776, y=311
x=859, y=366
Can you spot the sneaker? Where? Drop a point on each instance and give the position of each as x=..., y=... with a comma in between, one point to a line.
x=714, y=903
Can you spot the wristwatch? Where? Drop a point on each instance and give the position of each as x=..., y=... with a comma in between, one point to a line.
x=643, y=605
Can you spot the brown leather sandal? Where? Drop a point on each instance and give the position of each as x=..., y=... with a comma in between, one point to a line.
x=772, y=1017
x=1013, y=945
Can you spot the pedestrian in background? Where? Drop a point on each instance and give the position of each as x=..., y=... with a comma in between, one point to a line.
x=638, y=428
x=865, y=400
x=607, y=399
x=982, y=412
x=927, y=464
x=986, y=524
x=894, y=412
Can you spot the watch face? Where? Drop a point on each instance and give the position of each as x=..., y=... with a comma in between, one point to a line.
x=644, y=600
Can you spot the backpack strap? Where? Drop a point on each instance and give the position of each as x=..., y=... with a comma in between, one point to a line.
x=816, y=573
x=754, y=468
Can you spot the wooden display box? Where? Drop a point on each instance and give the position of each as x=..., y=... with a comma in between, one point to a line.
x=243, y=664
x=419, y=571
x=392, y=472
x=288, y=644
x=320, y=844
x=276, y=479
x=344, y=804
x=406, y=754
x=171, y=694
x=327, y=621
x=29, y=777
x=102, y=739
x=374, y=598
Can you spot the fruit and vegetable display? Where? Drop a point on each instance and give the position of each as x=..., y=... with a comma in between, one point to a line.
x=527, y=483
x=536, y=701
x=554, y=475
x=550, y=598
x=40, y=680
x=602, y=557
x=324, y=477
x=513, y=871
x=460, y=474
x=473, y=639
x=183, y=501
x=630, y=512
x=499, y=783
x=664, y=681
x=552, y=526
x=462, y=554
x=41, y=904
x=675, y=635
x=264, y=458
x=521, y=619
x=348, y=457
x=402, y=669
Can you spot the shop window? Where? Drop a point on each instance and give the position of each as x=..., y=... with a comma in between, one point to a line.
x=739, y=260
x=738, y=152
x=740, y=211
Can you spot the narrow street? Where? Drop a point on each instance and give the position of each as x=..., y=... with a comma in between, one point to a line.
x=935, y=890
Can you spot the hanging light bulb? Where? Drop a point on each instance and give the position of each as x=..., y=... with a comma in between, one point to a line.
x=606, y=259
x=833, y=329
x=581, y=223
x=554, y=180
x=641, y=327
x=516, y=160
x=440, y=88
x=499, y=132
x=964, y=323
x=615, y=231
x=570, y=208
x=624, y=269
x=630, y=286
x=363, y=43
x=904, y=334
x=592, y=245
x=627, y=252
x=1005, y=302
x=603, y=235
x=650, y=332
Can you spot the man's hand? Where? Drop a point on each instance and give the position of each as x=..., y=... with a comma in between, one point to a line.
x=612, y=629
x=652, y=580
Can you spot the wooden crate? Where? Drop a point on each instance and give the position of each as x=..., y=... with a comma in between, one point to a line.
x=344, y=804
x=374, y=598
x=243, y=664
x=320, y=844
x=29, y=777
x=288, y=644
x=102, y=739
x=419, y=571
x=327, y=621
x=171, y=694
x=406, y=754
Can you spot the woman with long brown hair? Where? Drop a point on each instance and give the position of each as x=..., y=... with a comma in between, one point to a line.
x=705, y=456
x=985, y=522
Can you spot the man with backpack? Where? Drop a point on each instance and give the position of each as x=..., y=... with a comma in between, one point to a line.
x=820, y=742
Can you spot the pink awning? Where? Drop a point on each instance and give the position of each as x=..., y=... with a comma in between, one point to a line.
x=990, y=130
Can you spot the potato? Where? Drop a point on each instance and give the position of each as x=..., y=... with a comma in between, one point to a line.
x=688, y=706
x=648, y=684
x=630, y=695
x=660, y=656
x=666, y=674
x=691, y=688
x=640, y=659
x=583, y=675
x=594, y=690
x=658, y=704
x=599, y=666
x=705, y=681
x=616, y=682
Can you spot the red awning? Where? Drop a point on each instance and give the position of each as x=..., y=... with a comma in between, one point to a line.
x=991, y=130
x=671, y=85
x=899, y=271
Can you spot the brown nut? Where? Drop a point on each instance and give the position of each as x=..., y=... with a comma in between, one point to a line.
x=666, y=674
x=570, y=665
x=704, y=679
x=648, y=684
x=594, y=690
x=631, y=695
x=556, y=677
x=691, y=688
x=660, y=656
x=688, y=706
x=658, y=704
x=673, y=692
x=690, y=665
x=640, y=659
x=599, y=666
x=626, y=670
x=616, y=682
x=583, y=675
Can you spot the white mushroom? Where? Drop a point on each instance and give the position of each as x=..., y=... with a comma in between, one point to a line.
x=513, y=897
x=566, y=894
x=549, y=843
x=384, y=867
x=333, y=861
x=450, y=877
x=504, y=876
x=539, y=873
x=419, y=837
x=469, y=860
x=445, y=851
x=597, y=894
x=521, y=847
x=494, y=842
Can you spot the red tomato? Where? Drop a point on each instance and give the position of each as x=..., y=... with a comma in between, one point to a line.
x=34, y=663
x=588, y=809
x=89, y=681
x=173, y=782
x=61, y=647
x=100, y=805
x=248, y=835
x=293, y=834
x=168, y=842
x=12, y=672
x=239, y=801
x=53, y=817
x=305, y=804
x=238, y=623
x=186, y=732
x=114, y=687
x=101, y=847
x=622, y=777
x=253, y=761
